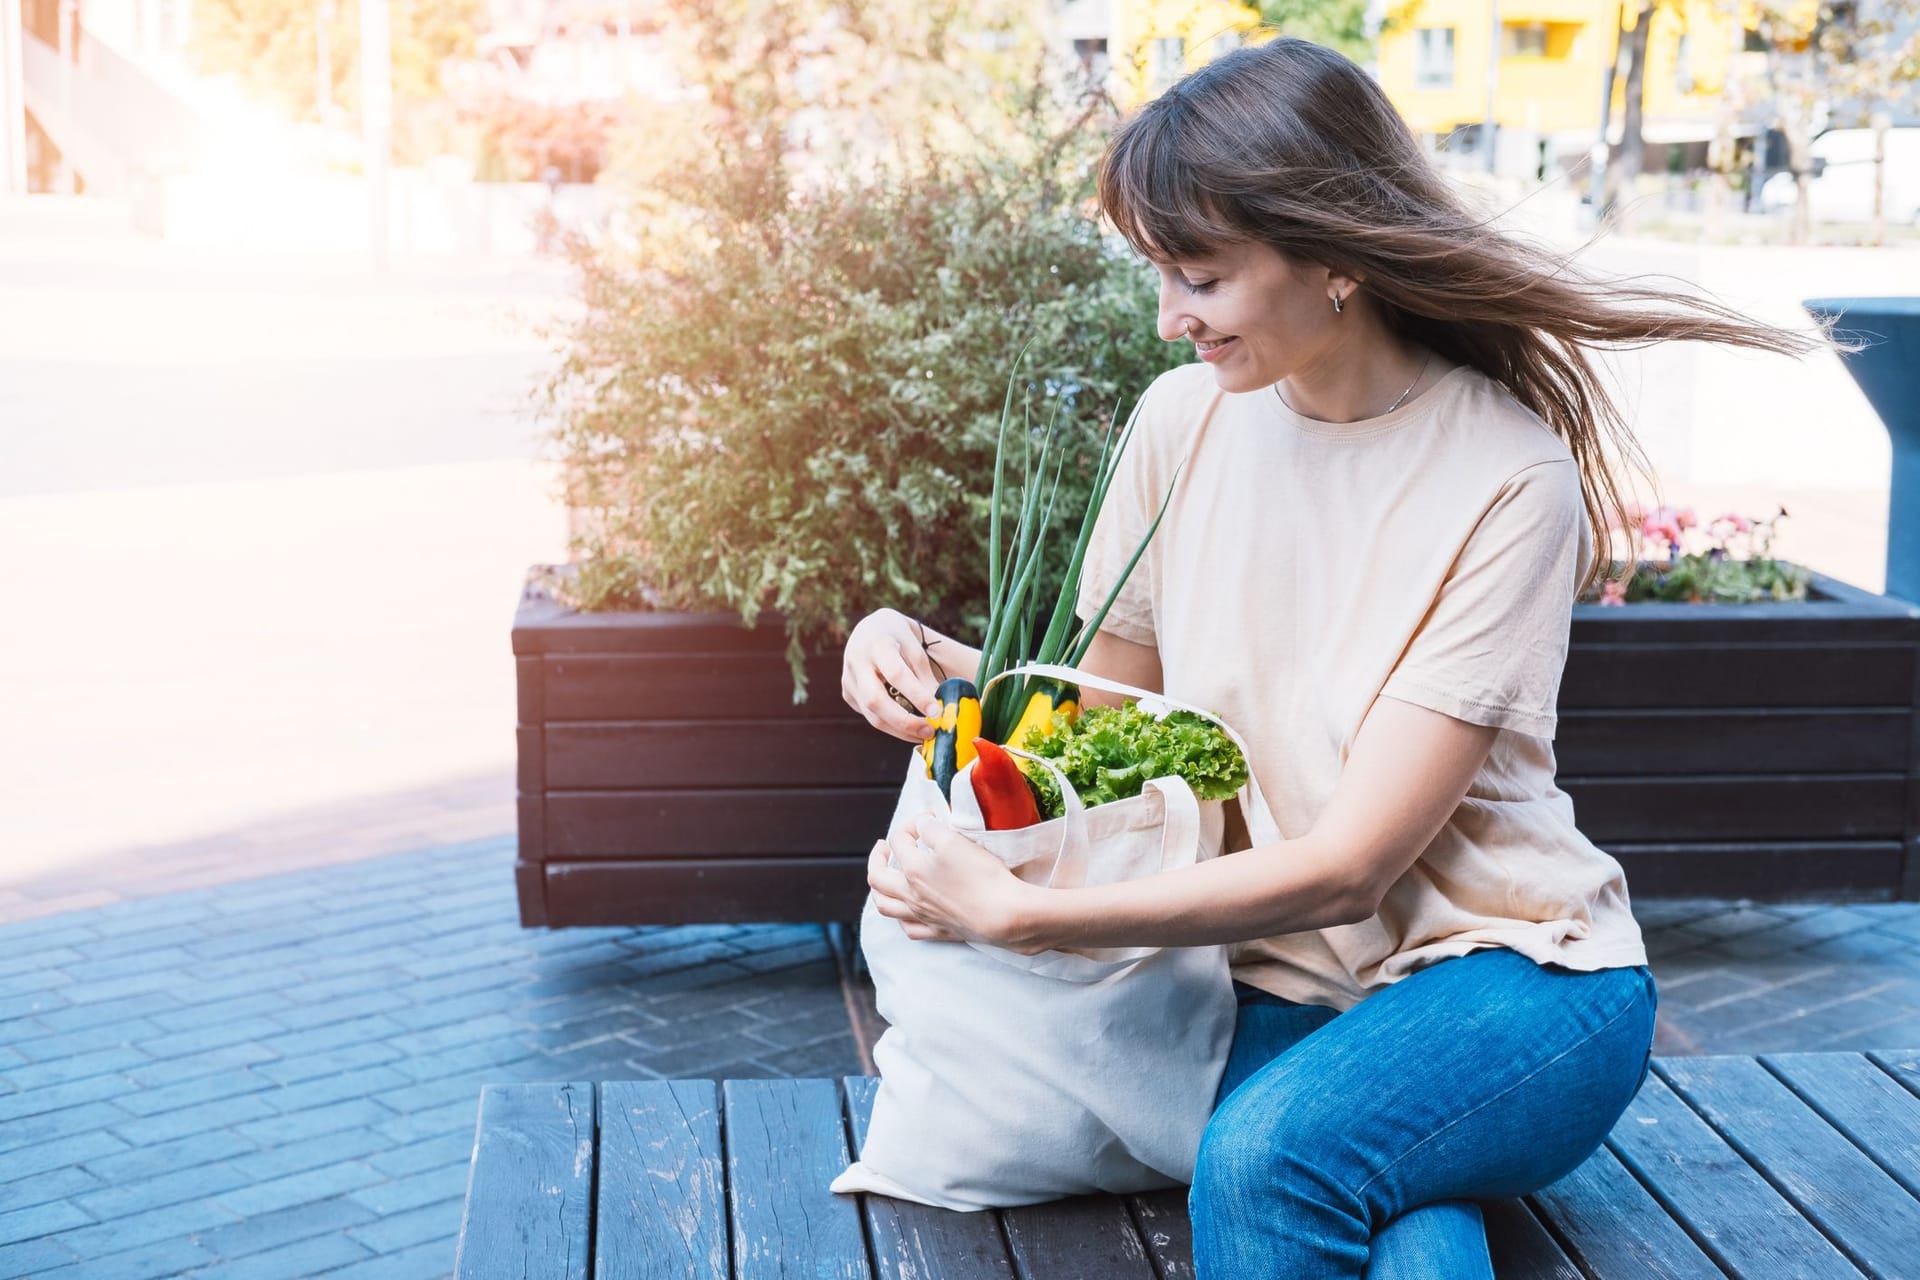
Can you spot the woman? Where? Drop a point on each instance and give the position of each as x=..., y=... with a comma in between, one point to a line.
x=1388, y=487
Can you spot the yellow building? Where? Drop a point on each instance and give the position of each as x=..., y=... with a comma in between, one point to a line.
x=1552, y=70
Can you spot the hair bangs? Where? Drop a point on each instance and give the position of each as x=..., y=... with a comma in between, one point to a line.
x=1153, y=192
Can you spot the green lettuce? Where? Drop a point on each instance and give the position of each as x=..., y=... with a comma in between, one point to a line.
x=1109, y=753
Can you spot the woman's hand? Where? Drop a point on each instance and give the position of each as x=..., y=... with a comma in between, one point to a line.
x=885, y=648
x=947, y=888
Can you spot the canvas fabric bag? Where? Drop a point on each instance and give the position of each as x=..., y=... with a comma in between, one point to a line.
x=1008, y=1079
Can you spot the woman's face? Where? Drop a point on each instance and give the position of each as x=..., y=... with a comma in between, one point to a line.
x=1253, y=314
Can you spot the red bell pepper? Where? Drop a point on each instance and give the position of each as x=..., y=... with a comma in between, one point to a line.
x=1006, y=801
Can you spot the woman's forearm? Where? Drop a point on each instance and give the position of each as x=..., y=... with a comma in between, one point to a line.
x=1288, y=887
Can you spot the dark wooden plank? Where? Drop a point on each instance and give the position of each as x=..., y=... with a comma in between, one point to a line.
x=529, y=1191
x=1166, y=1230
x=530, y=887
x=785, y=1142
x=661, y=1207
x=1520, y=1247
x=1833, y=610
x=1902, y=1064
x=762, y=822
x=530, y=756
x=529, y=688
x=542, y=625
x=1762, y=740
x=685, y=891
x=530, y=811
x=1084, y=1238
x=1870, y=1217
x=1864, y=1103
x=1909, y=888
x=1614, y=1229
x=680, y=686
x=1798, y=870
x=1852, y=806
x=661, y=754
x=1729, y=1210
x=1693, y=674
x=915, y=1241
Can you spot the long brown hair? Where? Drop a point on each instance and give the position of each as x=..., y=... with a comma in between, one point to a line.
x=1291, y=145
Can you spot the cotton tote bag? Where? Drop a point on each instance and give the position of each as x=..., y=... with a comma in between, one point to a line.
x=1008, y=1079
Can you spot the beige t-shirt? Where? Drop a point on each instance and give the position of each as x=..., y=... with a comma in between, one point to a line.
x=1304, y=569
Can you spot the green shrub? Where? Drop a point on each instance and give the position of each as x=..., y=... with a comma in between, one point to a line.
x=791, y=403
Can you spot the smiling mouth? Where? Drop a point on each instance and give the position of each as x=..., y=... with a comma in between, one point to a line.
x=1214, y=345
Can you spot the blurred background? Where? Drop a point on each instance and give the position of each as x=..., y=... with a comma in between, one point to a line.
x=286, y=286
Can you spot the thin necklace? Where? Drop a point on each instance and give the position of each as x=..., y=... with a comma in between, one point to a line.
x=1389, y=409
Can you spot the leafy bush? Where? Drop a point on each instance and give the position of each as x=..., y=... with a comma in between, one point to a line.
x=789, y=399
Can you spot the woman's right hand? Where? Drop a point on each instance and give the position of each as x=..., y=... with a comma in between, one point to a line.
x=885, y=649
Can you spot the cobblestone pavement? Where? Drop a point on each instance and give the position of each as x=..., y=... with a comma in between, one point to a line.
x=278, y=1077
x=1736, y=977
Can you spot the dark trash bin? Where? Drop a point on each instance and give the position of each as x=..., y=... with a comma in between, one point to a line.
x=1888, y=371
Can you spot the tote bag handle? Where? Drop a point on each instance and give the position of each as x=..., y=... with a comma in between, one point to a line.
x=1157, y=704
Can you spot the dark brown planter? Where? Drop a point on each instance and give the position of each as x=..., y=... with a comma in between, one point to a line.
x=1757, y=751
x=1765, y=751
x=666, y=776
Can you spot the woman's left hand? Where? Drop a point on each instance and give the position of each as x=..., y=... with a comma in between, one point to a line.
x=947, y=888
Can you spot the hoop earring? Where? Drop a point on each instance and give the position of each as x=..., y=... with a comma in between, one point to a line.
x=1336, y=304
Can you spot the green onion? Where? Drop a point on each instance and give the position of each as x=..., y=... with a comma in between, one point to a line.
x=1014, y=612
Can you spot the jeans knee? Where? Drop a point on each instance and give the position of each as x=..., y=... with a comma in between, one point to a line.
x=1251, y=1167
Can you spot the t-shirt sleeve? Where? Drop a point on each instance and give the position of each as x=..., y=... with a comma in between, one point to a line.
x=1124, y=519
x=1493, y=644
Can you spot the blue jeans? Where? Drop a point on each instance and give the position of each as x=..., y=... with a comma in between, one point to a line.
x=1355, y=1144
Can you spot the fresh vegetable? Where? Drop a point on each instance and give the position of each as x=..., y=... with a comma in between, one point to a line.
x=1006, y=801
x=1020, y=628
x=1109, y=753
x=1046, y=697
x=950, y=748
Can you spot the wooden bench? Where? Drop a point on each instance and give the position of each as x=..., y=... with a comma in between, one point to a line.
x=1802, y=1165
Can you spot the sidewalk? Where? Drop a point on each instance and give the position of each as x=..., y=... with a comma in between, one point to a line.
x=278, y=1077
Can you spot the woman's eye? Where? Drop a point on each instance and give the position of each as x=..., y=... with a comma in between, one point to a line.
x=1198, y=286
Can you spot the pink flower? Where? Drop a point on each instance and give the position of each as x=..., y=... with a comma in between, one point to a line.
x=1614, y=592
x=1685, y=518
x=1738, y=522
x=1660, y=526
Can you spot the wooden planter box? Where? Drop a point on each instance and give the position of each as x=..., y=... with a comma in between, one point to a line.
x=1762, y=751
x=1756, y=751
x=666, y=776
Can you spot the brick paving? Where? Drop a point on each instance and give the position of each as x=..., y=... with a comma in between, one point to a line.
x=1739, y=977
x=277, y=1077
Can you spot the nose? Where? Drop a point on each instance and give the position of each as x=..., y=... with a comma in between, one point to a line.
x=1173, y=325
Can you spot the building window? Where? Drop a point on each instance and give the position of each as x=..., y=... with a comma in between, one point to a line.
x=1092, y=56
x=1524, y=40
x=1683, y=64
x=1433, y=58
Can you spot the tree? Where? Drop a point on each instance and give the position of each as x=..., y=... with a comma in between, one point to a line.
x=273, y=46
x=1338, y=24
x=1846, y=59
x=1626, y=157
x=787, y=96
